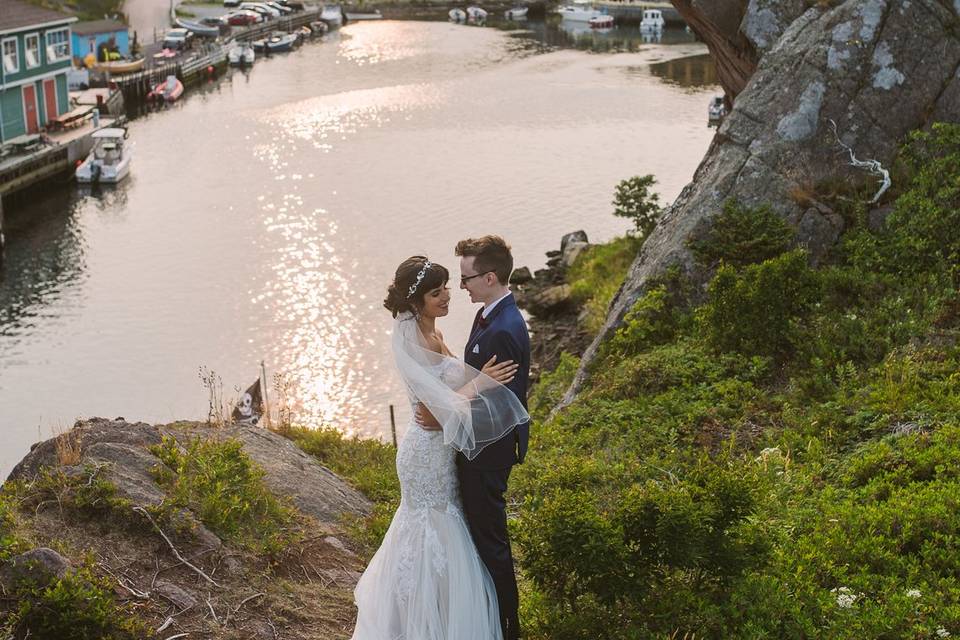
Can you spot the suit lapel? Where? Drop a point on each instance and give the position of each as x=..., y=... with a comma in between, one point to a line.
x=478, y=331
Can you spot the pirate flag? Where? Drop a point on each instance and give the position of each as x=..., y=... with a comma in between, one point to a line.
x=250, y=405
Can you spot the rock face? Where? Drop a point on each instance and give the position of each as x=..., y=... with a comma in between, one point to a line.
x=37, y=566
x=120, y=450
x=876, y=68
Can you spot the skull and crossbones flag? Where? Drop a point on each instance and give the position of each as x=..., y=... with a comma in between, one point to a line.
x=250, y=406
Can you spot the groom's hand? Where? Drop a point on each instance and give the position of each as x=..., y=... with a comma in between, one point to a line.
x=425, y=419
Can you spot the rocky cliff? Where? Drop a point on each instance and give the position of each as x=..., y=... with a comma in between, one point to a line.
x=813, y=85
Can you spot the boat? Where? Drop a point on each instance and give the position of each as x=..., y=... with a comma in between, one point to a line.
x=319, y=27
x=476, y=15
x=259, y=45
x=169, y=90
x=332, y=14
x=304, y=32
x=108, y=161
x=579, y=12
x=716, y=111
x=199, y=29
x=280, y=42
x=359, y=14
x=516, y=13
x=457, y=15
x=240, y=54
x=120, y=66
x=652, y=20
x=601, y=22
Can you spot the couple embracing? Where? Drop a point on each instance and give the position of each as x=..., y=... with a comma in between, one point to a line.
x=445, y=570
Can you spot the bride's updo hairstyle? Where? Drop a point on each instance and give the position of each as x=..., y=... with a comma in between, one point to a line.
x=411, y=282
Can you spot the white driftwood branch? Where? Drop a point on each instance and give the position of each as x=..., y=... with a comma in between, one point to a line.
x=174, y=549
x=872, y=166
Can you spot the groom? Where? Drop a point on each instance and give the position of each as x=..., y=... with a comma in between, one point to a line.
x=498, y=330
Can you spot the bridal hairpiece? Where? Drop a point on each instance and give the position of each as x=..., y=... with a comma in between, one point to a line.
x=423, y=272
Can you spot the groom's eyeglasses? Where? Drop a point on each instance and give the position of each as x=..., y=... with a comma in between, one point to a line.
x=463, y=279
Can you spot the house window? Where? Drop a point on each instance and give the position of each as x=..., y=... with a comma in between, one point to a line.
x=11, y=61
x=31, y=50
x=58, y=45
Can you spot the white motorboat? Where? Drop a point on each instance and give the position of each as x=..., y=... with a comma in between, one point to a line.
x=516, y=13
x=716, y=112
x=579, y=12
x=652, y=20
x=476, y=15
x=457, y=15
x=332, y=15
x=108, y=161
x=241, y=54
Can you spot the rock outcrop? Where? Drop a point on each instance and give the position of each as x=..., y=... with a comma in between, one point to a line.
x=121, y=450
x=808, y=83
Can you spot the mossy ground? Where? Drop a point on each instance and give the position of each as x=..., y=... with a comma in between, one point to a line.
x=304, y=583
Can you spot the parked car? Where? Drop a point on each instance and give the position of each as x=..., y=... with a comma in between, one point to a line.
x=177, y=38
x=279, y=7
x=243, y=18
x=260, y=8
x=231, y=3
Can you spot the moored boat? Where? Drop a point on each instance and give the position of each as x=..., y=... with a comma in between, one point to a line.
x=457, y=15
x=652, y=20
x=601, y=22
x=516, y=13
x=120, y=66
x=716, y=111
x=279, y=42
x=108, y=161
x=476, y=15
x=319, y=27
x=332, y=14
x=579, y=12
x=169, y=90
x=199, y=29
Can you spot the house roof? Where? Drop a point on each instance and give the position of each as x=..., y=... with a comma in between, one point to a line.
x=17, y=14
x=97, y=26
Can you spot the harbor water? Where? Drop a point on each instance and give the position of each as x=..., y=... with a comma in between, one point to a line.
x=265, y=213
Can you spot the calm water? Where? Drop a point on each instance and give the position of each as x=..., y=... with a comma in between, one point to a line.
x=264, y=217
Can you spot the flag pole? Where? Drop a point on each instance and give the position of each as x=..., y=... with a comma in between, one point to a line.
x=263, y=393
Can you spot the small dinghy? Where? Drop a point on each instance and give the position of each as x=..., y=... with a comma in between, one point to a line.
x=279, y=42
x=169, y=90
x=517, y=13
x=457, y=15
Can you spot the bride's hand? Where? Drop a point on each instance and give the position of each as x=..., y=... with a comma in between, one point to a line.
x=503, y=372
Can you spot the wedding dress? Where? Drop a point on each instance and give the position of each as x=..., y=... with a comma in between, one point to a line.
x=427, y=581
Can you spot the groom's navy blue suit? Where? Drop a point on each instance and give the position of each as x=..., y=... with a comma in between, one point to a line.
x=483, y=480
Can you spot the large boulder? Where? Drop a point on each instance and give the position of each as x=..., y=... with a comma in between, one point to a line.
x=119, y=452
x=859, y=75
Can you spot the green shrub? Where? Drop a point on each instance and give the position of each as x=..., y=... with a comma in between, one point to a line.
x=634, y=200
x=757, y=311
x=221, y=484
x=741, y=235
x=596, y=276
x=551, y=387
x=10, y=543
x=79, y=606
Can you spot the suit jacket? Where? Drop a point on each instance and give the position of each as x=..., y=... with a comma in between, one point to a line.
x=505, y=335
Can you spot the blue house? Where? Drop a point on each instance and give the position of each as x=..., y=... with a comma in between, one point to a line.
x=89, y=36
x=34, y=59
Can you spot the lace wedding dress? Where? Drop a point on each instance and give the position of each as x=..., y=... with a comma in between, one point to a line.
x=427, y=582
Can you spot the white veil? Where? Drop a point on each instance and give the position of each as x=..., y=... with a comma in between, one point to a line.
x=473, y=409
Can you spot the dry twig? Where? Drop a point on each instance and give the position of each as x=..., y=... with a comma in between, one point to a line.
x=200, y=572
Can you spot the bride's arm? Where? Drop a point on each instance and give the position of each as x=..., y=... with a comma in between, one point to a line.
x=501, y=373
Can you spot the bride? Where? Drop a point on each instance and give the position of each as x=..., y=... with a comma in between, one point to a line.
x=427, y=581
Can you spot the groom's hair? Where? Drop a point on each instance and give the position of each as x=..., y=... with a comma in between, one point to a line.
x=490, y=253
